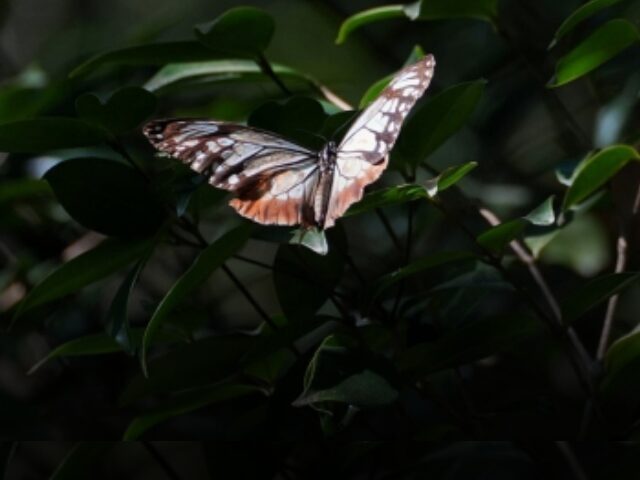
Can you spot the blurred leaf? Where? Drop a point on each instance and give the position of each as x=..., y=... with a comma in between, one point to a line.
x=601, y=46
x=595, y=171
x=299, y=119
x=147, y=55
x=19, y=102
x=23, y=189
x=448, y=178
x=543, y=215
x=419, y=266
x=203, y=362
x=438, y=119
x=594, y=293
x=125, y=110
x=305, y=280
x=48, y=133
x=615, y=114
x=497, y=238
x=579, y=15
x=118, y=326
x=387, y=197
x=83, y=459
x=242, y=31
x=314, y=239
x=473, y=341
x=232, y=69
x=7, y=451
x=107, y=258
x=620, y=385
x=106, y=196
x=204, y=265
x=339, y=373
x=486, y=10
x=365, y=17
x=186, y=402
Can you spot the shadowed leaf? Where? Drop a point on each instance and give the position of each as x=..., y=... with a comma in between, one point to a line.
x=48, y=133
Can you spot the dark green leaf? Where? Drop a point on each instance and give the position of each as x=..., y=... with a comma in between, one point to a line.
x=187, y=402
x=601, y=46
x=619, y=385
x=107, y=258
x=304, y=280
x=82, y=460
x=438, y=119
x=366, y=17
x=486, y=10
x=50, y=133
x=125, y=110
x=387, y=197
x=543, y=215
x=23, y=189
x=497, y=238
x=466, y=344
x=338, y=373
x=594, y=293
x=147, y=55
x=241, y=31
x=106, y=196
x=448, y=178
x=597, y=170
x=207, y=262
x=581, y=14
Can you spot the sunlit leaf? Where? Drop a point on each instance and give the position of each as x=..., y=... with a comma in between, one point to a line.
x=498, y=237
x=594, y=292
x=543, y=215
x=107, y=258
x=595, y=171
x=339, y=373
x=366, y=17
x=106, y=196
x=314, y=239
x=48, y=133
x=125, y=110
x=241, y=31
x=486, y=10
x=579, y=15
x=147, y=55
x=601, y=46
x=438, y=119
x=448, y=178
x=186, y=402
x=466, y=344
x=204, y=265
x=387, y=197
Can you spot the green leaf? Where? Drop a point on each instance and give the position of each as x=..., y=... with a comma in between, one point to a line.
x=596, y=170
x=48, y=133
x=338, y=372
x=619, y=385
x=601, y=46
x=203, y=362
x=579, y=15
x=147, y=55
x=188, y=402
x=448, y=178
x=106, y=196
x=125, y=110
x=365, y=17
x=543, y=215
x=419, y=266
x=438, y=119
x=204, y=265
x=23, y=189
x=595, y=292
x=486, y=10
x=220, y=70
x=387, y=197
x=81, y=461
x=107, y=258
x=312, y=238
x=241, y=31
x=466, y=344
x=497, y=238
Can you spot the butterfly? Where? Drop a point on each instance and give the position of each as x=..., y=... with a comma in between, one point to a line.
x=277, y=182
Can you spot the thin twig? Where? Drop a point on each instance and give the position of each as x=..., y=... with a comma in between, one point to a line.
x=266, y=68
x=574, y=465
x=157, y=456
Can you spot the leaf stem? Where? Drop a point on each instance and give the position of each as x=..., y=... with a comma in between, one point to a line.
x=266, y=68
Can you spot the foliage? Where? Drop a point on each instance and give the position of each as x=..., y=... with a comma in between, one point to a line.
x=484, y=288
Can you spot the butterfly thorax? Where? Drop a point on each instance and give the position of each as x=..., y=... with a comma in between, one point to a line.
x=327, y=156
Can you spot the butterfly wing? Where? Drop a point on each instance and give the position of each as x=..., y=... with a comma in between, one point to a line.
x=272, y=178
x=363, y=153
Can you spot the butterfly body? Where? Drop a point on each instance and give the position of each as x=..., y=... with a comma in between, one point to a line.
x=278, y=182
